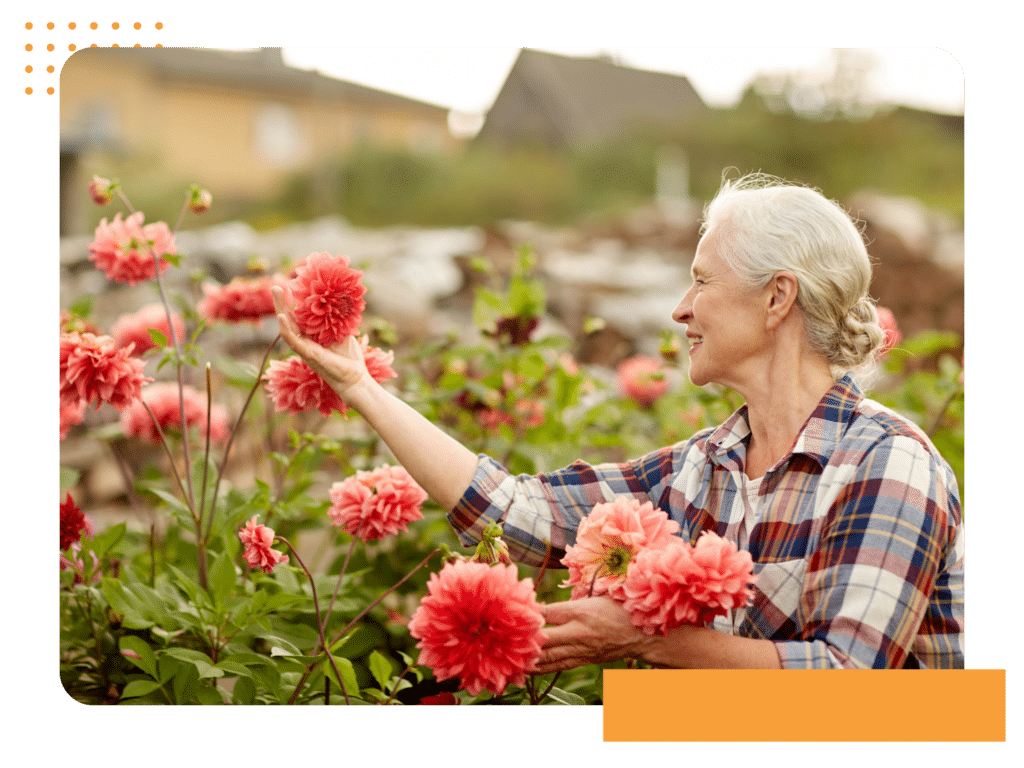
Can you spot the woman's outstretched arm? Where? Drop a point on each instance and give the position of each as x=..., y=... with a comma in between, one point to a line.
x=442, y=466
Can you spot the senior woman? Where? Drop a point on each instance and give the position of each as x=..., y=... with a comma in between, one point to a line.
x=851, y=516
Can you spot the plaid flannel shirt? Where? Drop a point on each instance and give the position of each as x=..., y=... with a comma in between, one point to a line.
x=858, y=543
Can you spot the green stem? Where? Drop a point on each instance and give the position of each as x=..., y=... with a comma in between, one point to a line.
x=319, y=623
x=231, y=437
x=942, y=411
x=374, y=604
x=341, y=576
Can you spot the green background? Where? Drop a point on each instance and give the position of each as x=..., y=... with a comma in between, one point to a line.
x=49, y=726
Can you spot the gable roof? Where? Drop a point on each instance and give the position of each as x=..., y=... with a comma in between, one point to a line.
x=562, y=100
x=256, y=69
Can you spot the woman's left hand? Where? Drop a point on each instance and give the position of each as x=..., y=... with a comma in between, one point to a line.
x=591, y=630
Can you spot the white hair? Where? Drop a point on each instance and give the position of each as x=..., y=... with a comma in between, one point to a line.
x=764, y=225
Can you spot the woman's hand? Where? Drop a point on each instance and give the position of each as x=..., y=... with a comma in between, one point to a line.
x=591, y=630
x=340, y=365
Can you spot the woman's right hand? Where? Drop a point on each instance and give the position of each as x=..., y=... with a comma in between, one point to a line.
x=341, y=365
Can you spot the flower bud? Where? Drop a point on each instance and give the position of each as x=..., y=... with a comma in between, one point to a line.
x=101, y=190
x=491, y=548
x=670, y=347
x=200, y=200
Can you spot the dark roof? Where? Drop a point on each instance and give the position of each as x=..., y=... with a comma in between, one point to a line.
x=261, y=68
x=587, y=98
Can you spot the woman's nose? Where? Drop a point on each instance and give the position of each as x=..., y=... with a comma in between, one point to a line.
x=681, y=314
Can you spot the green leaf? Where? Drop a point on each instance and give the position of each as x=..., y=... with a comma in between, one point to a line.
x=234, y=669
x=244, y=691
x=82, y=306
x=203, y=664
x=348, y=674
x=170, y=499
x=126, y=604
x=185, y=684
x=139, y=688
x=380, y=668
x=238, y=372
x=222, y=578
x=564, y=697
x=280, y=646
x=207, y=694
x=68, y=477
x=168, y=667
x=147, y=659
x=158, y=337
x=106, y=541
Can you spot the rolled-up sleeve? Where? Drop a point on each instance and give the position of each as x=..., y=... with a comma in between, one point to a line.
x=540, y=513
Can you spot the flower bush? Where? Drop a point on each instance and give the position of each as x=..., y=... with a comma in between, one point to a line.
x=269, y=554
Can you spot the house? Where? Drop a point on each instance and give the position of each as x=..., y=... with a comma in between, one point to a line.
x=560, y=101
x=238, y=122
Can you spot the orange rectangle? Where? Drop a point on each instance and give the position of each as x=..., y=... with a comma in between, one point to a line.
x=804, y=705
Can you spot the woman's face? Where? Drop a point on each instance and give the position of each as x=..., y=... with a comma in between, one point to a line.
x=725, y=322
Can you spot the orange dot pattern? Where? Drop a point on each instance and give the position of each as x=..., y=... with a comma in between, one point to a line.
x=51, y=69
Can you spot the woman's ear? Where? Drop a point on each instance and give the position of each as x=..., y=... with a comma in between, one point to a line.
x=781, y=296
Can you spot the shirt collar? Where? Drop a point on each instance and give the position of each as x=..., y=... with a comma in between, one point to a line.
x=818, y=437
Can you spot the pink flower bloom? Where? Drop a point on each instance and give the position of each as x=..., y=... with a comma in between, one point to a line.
x=134, y=328
x=244, y=299
x=608, y=539
x=679, y=584
x=479, y=623
x=378, y=362
x=93, y=368
x=162, y=399
x=642, y=378
x=71, y=414
x=258, y=540
x=72, y=522
x=328, y=296
x=887, y=321
x=125, y=250
x=375, y=504
x=295, y=387
x=101, y=190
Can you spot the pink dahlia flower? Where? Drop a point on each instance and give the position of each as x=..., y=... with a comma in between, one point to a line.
x=679, y=584
x=479, y=623
x=608, y=539
x=642, y=378
x=258, y=539
x=243, y=300
x=372, y=505
x=125, y=250
x=72, y=523
x=94, y=368
x=328, y=297
x=134, y=328
x=378, y=362
x=295, y=387
x=887, y=320
x=162, y=399
x=71, y=414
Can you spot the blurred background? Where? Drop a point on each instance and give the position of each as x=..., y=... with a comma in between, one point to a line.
x=601, y=165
